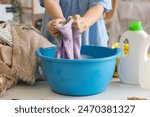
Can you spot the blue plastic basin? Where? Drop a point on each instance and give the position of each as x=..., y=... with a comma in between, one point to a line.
x=79, y=77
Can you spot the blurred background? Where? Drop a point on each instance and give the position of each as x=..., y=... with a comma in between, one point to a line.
x=21, y=11
x=30, y=12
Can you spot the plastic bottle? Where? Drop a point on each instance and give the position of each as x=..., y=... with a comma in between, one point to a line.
x=128, y=69
x=144, y=73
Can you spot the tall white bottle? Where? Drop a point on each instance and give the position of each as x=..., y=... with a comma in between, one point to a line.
x=144, y=66
x=128, y=68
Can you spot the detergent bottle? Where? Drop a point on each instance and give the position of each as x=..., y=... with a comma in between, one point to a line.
x=128, y=68
x=144, y=66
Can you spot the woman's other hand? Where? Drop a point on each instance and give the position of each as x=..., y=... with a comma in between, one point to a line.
x=52, y=24
x=79, y=23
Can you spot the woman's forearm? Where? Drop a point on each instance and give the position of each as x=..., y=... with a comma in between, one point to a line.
x=53, y=9
x=93, y=14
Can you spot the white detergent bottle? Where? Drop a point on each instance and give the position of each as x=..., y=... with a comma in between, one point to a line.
x=144, y=66
x=128, y=68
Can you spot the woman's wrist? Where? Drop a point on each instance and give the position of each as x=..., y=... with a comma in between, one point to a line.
x=86, y=22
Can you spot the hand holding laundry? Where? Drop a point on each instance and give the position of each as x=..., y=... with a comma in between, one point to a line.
x=79, y=23
x=69, y=46
x=52, y=24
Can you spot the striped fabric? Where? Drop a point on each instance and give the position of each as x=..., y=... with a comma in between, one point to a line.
x=5, y=35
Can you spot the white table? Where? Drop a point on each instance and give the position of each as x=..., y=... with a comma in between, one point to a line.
x=115, y=91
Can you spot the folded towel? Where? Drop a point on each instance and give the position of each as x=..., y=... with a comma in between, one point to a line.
x=69, y=46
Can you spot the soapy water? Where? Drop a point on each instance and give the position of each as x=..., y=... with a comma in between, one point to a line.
x=86, y=57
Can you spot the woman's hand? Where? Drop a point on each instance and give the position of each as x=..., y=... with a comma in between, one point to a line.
x=79, y=23
x=88, y=19
x=52, y=24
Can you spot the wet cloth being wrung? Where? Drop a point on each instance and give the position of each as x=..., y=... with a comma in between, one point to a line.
x=69, y=46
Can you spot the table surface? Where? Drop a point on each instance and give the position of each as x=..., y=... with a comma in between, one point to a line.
x=115, y=91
